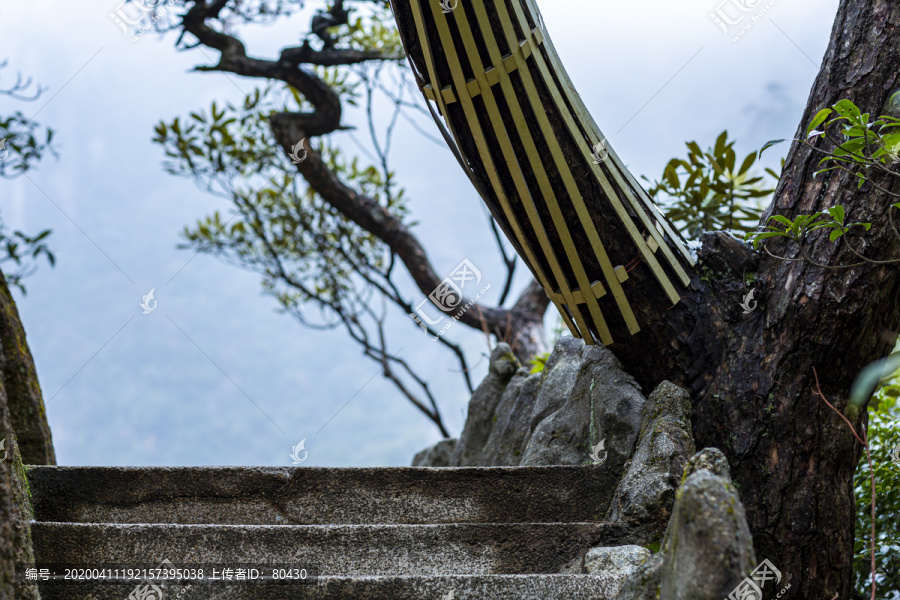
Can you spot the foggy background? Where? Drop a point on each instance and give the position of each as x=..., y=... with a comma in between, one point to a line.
x=178, y=386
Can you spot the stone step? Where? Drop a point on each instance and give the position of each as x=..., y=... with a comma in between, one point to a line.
x=460, y=587
x=334, y=550
x=311, y=496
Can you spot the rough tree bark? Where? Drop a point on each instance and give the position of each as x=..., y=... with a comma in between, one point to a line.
x=750, y=375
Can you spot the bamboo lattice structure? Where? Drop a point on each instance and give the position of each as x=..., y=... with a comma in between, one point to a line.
x=510, y=114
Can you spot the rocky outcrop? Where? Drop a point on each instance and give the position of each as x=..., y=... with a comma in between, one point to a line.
x=555, y=417
x=25, y=402
x=646, y=492
x=590, y=400
x=469, y=451
x=652, y=483
x=708, y=549
x=438, y=455
x=511, y=430
x=582, y=400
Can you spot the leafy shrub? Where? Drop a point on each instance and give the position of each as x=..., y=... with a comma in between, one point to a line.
x=708, y=191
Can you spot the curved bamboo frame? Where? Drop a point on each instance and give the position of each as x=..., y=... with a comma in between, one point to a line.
x=501, y=116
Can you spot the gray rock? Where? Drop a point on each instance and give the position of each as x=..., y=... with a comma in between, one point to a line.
x=624, y=559
x=438, y=455
x=615, y=563
x=555, y=417
x=482, y=407
x=582, y=402
x=609, y=559
x=708, y=548
x=643, y=583
x=646, y=493
x=710, y=459
x=512, y=423
x=558, y=378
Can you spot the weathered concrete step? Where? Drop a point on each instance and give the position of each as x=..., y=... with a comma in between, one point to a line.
x=307, y=496
x=464, y=587
x=334, y=550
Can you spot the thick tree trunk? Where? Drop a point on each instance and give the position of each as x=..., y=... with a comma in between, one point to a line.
x=750, y=376
x=791, y=456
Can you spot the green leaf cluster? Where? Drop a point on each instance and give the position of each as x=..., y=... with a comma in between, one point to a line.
x=23, y=251
x=374, y=32
x=538, y=362
x=863, y=141
x=798, y=229
x=710, y=191
x=304, y=248
x=23, y=143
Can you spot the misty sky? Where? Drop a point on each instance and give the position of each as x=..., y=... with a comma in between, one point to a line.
x=215, y=375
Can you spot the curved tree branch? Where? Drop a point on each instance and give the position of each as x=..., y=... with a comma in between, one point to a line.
x=518, y=324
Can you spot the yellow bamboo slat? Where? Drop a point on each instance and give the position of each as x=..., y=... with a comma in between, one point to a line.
x=489, y=165
x=534, y=158
x=494, y=81
x=577, y=133
x=562, y=164
x=597, y=288
x=510, y=64
x=588, y=119
x=659, y=220
x=513, y=165
x=484, y=152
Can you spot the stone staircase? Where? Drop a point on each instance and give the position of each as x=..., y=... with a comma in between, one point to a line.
x=498, y=533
